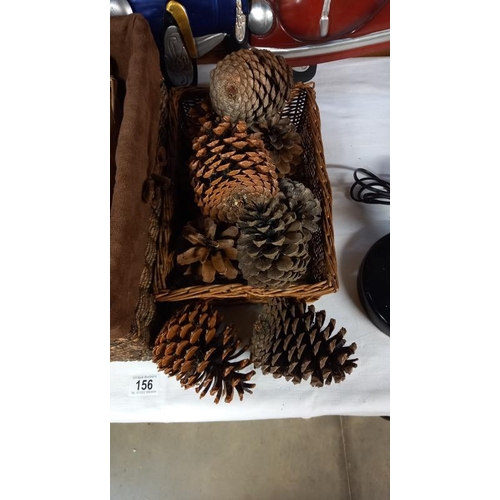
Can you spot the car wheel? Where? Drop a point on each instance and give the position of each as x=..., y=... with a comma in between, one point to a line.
x=179, y=70
x=304, y=73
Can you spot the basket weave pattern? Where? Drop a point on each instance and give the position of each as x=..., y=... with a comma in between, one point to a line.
x=179, y=207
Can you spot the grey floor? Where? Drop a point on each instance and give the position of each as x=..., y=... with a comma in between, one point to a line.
x=334, y=458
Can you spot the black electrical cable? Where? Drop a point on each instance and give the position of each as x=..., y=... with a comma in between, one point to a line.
x=370, y=188
x=374, y=272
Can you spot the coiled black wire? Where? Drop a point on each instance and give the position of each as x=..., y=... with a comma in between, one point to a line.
x=369, y=188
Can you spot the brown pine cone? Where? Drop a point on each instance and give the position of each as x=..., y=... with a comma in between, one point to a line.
x=251, y=85
x=303, y=203
x=272, y=247
x=228, y=169
x=288, y=341
x=198, y=349
x=283, y=143
x=212, y=252
x=198, y=114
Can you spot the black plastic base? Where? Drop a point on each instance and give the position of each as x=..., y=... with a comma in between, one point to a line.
x=374, y=283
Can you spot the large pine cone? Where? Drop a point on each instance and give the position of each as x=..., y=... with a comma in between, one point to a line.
x=228, y=169
x=213, y=248
x=250, y=85
x=272, y=247
x=288, y=341
x=200, y=351
x=283, y=143
x=303, y=203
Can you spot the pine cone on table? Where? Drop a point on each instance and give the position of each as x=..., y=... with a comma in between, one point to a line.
x=251, y=85
x=303, y=203
x=229, y=168
x=288, y=341
x=198, y=349
x=283, y=143
x=272, y=247
x=213, y=248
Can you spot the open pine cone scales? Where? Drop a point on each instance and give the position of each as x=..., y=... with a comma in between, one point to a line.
x=283, y=143
x=198, y=114
x=250, y=85
x=272, y=248
x=229, y=168
x=198, y=349
x=213, y=248
x=288, y=341
x=303, y=203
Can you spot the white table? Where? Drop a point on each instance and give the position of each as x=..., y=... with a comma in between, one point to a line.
x=353, y=98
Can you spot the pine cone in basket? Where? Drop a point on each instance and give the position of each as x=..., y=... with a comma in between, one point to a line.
x=213, y=248
x=288, y=341
x=198, y=349
x=228, y=169
x=283, y=143
x=303, y=203
x=250, y=85
x=272, y=247
x=198, y=114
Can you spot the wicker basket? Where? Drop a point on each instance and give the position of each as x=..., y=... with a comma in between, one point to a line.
x=321, y=277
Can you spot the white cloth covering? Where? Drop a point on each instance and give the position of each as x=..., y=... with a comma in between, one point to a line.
x=353, y=98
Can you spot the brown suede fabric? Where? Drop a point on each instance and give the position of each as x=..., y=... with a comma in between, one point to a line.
x=115, y=122
x=135, y=61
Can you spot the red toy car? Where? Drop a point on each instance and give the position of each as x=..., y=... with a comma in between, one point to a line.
x=308, y=32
